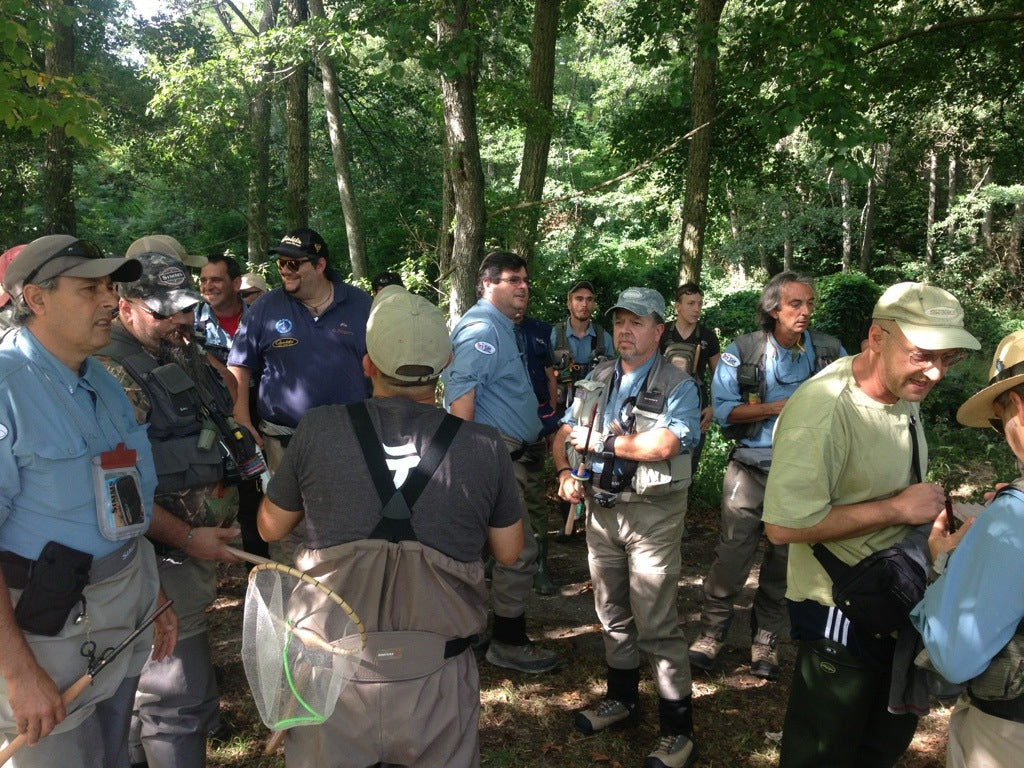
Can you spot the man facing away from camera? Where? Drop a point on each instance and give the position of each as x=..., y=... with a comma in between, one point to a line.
x=847, y=471
x=400, y=501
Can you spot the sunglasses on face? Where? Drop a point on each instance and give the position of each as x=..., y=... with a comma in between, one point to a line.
x=292, y=265
x=159, y=315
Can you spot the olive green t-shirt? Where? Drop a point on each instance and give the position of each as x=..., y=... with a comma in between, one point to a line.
x=834, y=445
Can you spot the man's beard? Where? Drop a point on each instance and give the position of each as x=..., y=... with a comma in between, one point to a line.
x=190, y=357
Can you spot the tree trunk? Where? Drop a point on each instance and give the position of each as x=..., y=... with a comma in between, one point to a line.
x=342, y=163
x=989, y=217
x=867, y=218
x=259, y=138
x=844, y=196
x=537, y=138
x=950, y=198
x=787, y=241
x=702, y=112
x=296, y=203
x=59, y=165
x=933, y=197
x=462, y=151
x=1013, y=248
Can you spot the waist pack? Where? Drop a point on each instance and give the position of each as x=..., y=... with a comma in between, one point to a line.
x=54, y=586
x=878, y=593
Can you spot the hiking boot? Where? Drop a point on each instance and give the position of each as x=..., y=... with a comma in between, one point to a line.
x=672, y=752
x=530, y=658
x=608, y=713
x=704, y=651
x=764, y=659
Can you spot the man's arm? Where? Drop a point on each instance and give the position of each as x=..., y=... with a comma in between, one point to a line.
x=242, y=376
x=274, y=522
x=32, y=694
x=505, y=543
x=917, y=504
x=465, y=406
x=552, y=375
x=204, y=543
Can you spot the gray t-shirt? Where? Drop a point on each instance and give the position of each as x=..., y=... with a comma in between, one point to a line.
x=324, y=473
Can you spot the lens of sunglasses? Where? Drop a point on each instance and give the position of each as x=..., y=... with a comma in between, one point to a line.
x=292, y=265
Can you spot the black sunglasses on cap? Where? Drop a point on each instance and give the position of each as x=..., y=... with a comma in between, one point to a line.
x=81, y=249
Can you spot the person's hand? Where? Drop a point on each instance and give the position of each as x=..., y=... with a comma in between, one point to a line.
x=569, y=488
x=578, y=438
x=941, y=540
x=989, y=495
x=165, y=631
x=35, y=701
x=210, y=543
x=919, y=503
x=705, y=418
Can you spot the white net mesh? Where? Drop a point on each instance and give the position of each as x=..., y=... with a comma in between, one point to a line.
x=300, y=646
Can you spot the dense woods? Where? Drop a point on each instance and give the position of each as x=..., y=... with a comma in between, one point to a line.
x=624, y=140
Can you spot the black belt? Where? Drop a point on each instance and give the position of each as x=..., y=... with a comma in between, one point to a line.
x=17, y=569
x=1006, y=709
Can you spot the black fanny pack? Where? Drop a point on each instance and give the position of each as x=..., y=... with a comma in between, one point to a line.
x=51, y=586
x=878, y=593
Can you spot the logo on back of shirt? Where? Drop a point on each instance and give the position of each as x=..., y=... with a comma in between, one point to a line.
x=402, y=459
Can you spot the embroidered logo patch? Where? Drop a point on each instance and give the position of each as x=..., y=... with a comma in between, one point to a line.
x=730, y=359
x=283, y=343
x=484, y=348
x=171, y=277
x=283, y=325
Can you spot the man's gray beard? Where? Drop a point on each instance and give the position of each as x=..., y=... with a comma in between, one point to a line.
x=190, y=357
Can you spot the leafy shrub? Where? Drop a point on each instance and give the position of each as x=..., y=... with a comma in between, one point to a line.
x=733, y=315
x=844, y=304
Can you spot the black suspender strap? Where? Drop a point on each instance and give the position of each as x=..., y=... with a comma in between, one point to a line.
x=395, y=524
x=915, y=458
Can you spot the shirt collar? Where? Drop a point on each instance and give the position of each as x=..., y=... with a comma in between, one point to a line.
x=36, y=353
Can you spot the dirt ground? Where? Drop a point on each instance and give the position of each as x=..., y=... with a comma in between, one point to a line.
x=526, y=720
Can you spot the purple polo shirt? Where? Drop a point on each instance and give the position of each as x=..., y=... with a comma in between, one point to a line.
x=304, y=361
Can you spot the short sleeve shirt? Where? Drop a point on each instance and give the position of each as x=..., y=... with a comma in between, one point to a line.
x=52, y=423
x=304, y=361
x=473, y=488
x=487, y=360
x=834, y=445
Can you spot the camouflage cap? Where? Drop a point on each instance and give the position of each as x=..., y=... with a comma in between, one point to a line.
x=641, y=302
x=165, y=286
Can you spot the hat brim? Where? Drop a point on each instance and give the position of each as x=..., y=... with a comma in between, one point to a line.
x=286, y=249
x=172, y=302
x=120, y=270
x=977, y=410
x=932, y=337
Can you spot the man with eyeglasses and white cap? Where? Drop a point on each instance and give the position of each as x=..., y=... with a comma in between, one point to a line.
x=70, y=448
x=848, y=471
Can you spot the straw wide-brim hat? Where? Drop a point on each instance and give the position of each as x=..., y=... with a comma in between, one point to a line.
x=1007, y=371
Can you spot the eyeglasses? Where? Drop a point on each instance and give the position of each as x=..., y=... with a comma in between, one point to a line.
x=515, y=282
x=292, y=265
x=82, y=249
x=160, y=316
x=922, y=359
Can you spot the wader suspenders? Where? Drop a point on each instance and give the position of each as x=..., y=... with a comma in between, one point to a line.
x=396, y=518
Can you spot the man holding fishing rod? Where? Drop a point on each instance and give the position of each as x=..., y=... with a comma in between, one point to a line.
x=76, y=492
x=624, y=448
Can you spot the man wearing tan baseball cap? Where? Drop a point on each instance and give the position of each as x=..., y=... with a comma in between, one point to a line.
x=419, y=511
x=166, y=245
x=848, y=468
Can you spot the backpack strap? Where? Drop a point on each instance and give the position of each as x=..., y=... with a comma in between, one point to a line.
x=396, y=516
x=598, y=350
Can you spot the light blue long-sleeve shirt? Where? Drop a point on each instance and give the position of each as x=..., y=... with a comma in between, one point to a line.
x=970, y=613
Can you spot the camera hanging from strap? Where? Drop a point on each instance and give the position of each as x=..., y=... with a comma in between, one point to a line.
x=396, y=516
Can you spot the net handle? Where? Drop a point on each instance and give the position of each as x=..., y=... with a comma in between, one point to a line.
x=263, y=562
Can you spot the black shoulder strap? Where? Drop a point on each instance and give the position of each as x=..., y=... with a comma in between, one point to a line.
x=598, y=349
x=915, y=458
x=396, y=516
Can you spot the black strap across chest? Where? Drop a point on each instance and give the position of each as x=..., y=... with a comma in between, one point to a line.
x=396, y=516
